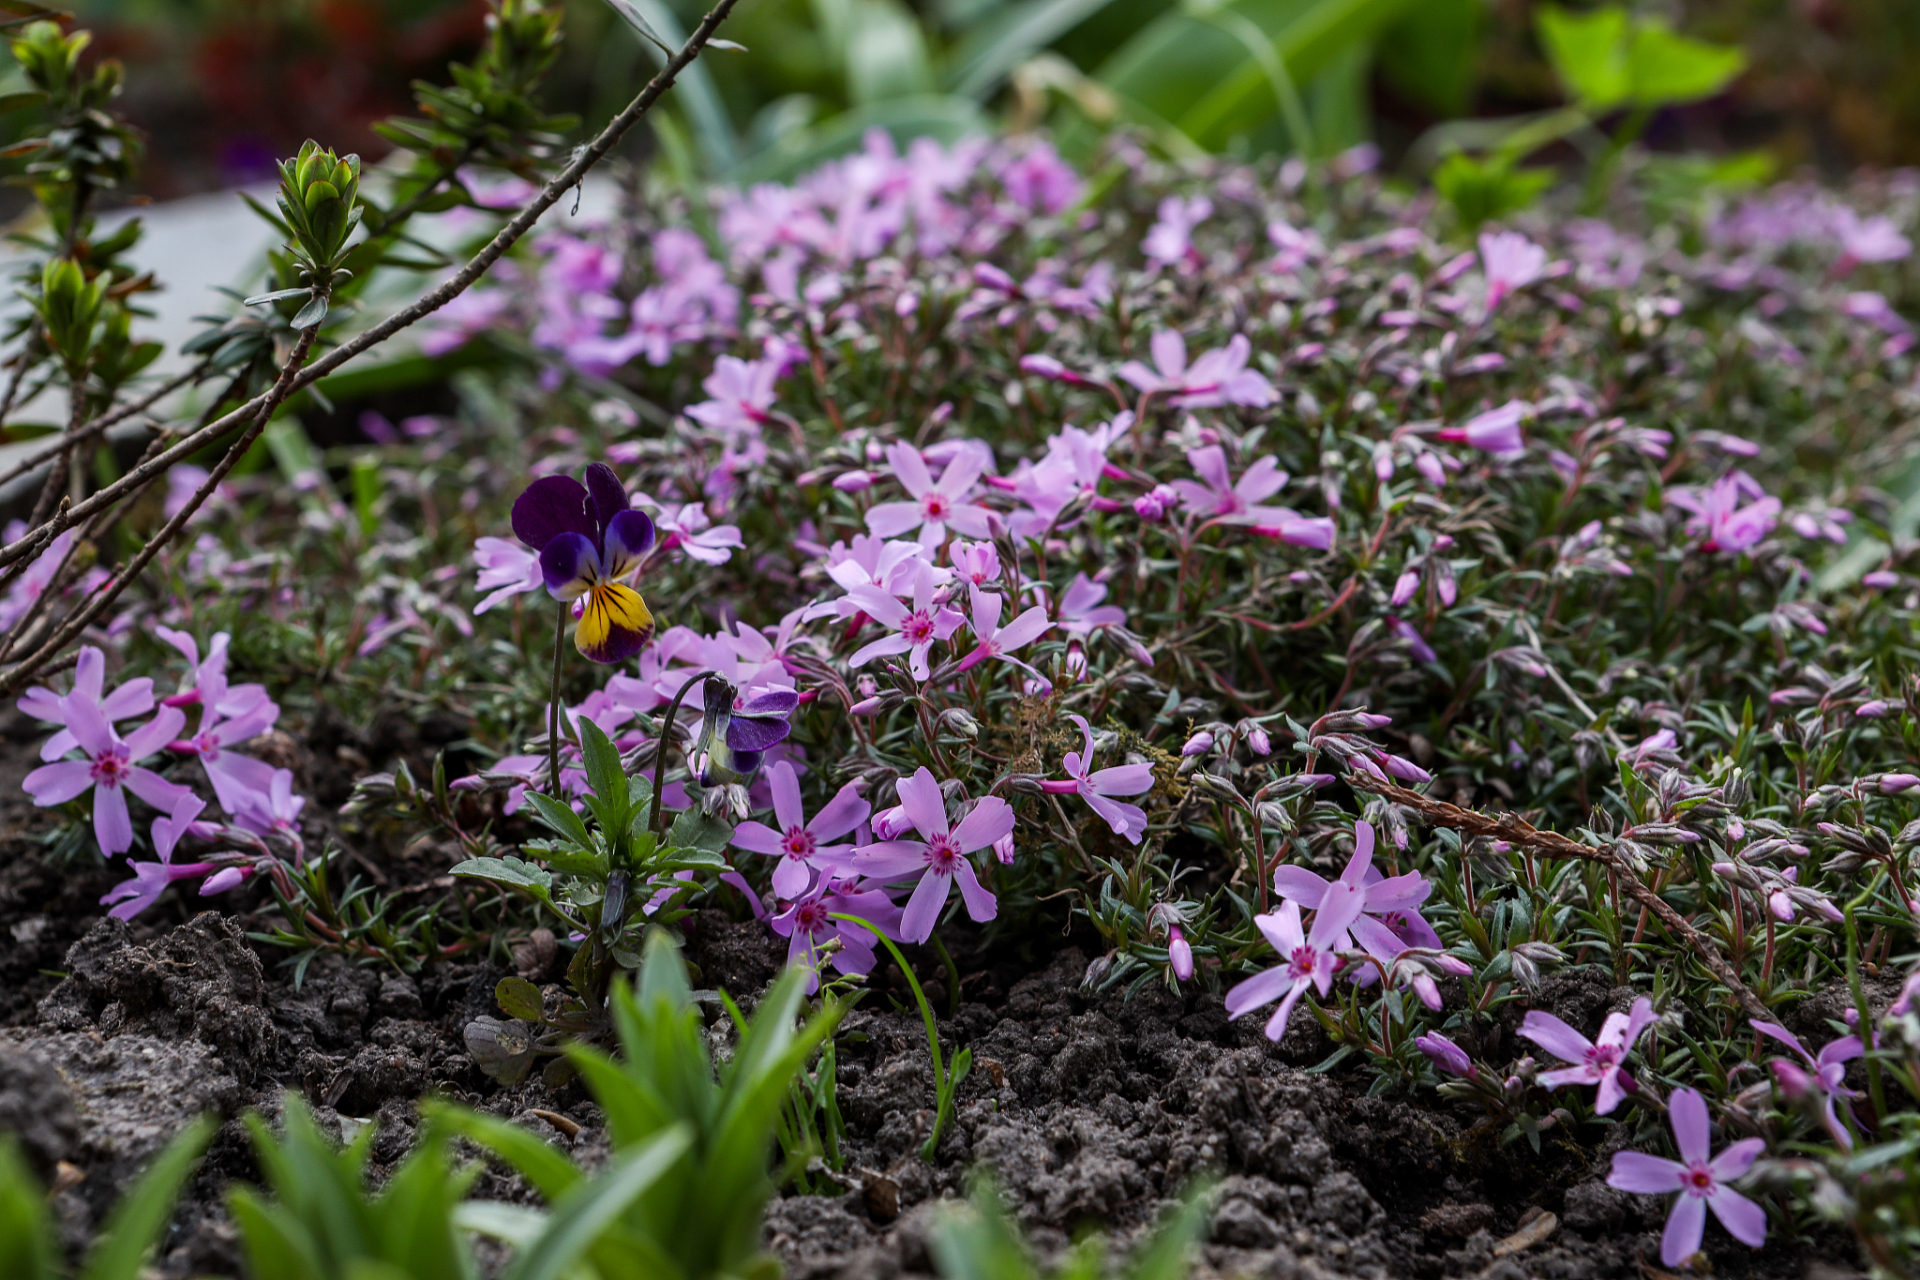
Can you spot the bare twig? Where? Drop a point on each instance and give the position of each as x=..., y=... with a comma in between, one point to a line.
x=105, y=420
x=522, y=222
x=1514, y=829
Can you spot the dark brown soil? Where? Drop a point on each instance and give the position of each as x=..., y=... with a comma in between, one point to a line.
x=1089, y=1110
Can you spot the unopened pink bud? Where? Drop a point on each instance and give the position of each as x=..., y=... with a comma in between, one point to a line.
x=1202, y=742
x=868, y=707
x=1403, y=589
x=853, y=481
x=1405, y=770
x=222, y=880
x=891, y=824
x=1881, y=579
x=1873, y=710
x=1892, y=784
x=1179, y=954
x=1258, y=742
x=1003, y=849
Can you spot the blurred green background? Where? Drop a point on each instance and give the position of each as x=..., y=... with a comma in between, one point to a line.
x=223, y=86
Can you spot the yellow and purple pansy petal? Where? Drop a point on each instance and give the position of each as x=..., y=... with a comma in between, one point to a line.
x=570, y=566
x=555, y=505
x=630, y=535
x=614, y=623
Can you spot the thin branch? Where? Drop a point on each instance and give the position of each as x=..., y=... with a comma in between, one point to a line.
x=105, y=420
x=1514, y=829
x=92, y=608
x=566, y=180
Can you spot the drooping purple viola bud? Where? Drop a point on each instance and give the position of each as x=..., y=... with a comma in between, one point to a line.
x=1179, y=954
x=853, y=481
x=1892, y=784
x=1446, y=1055
x=1202, y=742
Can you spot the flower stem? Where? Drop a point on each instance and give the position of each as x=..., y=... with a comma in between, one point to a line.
x=660, y=751
x=553, y=703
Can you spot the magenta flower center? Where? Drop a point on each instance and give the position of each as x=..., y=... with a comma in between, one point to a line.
x=1605, y=1057
x=798, y=843
x=208, y=746
x=936, y=506
x=1699, y=1179
x=110, y=767
x=1301, y=963
x=810, y=917
x=942, y=853
x=918, y=627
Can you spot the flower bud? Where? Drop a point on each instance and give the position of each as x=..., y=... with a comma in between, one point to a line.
x=868, y=707
x=957, y=721
x=1153, y=507
x=1874, y=710
x=1257, y=740
x=853, y=481
x=1446, y=1055
x=1892, y=784
x=1404, y=587
x=1202, y=742
x=1179, y=954
x=1003, y=849
x=891, y=824
x=1098, y=971
x=223, y=880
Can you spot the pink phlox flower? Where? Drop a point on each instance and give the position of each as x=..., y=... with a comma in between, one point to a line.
x=1827, y=1074
x=1389, y=921
x=1306, y=958
x=802, y=846
x=742, y=394
x=1073, y=465
x=1038, y=180
x=934, y=506
x=1221, y=499
x=506, y=569
x=1700, y=1177
x=1720, y=517
x=275, y=811
x=865, y=560
x=1876, y=311
x=807, y=924
x=32, y=584
x=1497, y=431
x=1871, y=239
x=1416, y=643
x=150, y=879
x=1220, y=377
x=1169, y=241
x=991, y=640
x=1597, y=1061
x=134, y=698
x=688, y=529
x=974, y=563
x=1511, y=261
x=914, y=629
x=1081, y=613
x=1098, y=788
x=1047, y=287
x=939, y=857
x=111, y=767
x=1294, y=248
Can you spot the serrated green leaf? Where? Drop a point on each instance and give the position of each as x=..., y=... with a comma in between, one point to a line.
x=508, y=871
x=519, y=998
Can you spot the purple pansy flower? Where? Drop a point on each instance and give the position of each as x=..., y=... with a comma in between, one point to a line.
x=802, y=846
x=1595, y=1061
x=939, y=856
x=589, y=537
x=1700, y=1177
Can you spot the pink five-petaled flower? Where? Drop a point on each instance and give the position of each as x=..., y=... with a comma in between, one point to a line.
x=940, y=855
x=935, y=506
x=1497, y=431
x=229, y=715
x=1595, y=1061
x=1511, y=262
x=1224, y=500
x=1217, y=378
x=1305, y=957
x=1169, y=241
x=802, y=846
x=807, y=924
x=506, y=569
x=1718, y=517
x=112, y=763
x=914, y=630
x=1700, y=1177
x=991, y=640
x=1828, y=1076
x=742, y=392
x=1097, y=789
x=134, y=698
x=1395, y=901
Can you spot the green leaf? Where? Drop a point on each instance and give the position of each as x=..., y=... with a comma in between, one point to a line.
x=1665, y=68
x=1487, y=190
x=1588, y=51
x=605, y=776
x=519, y=998
x=508, y=871
x=119, y=1249
x=311, y=315
x=1432, y=54
x=560, y=818
x=278, y=295
x=694, y=90
x=989, y=54
x=886, y=53
x=678, y=859
x=695, y=830
x=583, y=1214
x=27, y=1248
x=631, y=15
x=549, y=1171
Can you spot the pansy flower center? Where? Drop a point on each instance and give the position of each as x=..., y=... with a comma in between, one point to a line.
x=942, y=853
x=798, y=843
